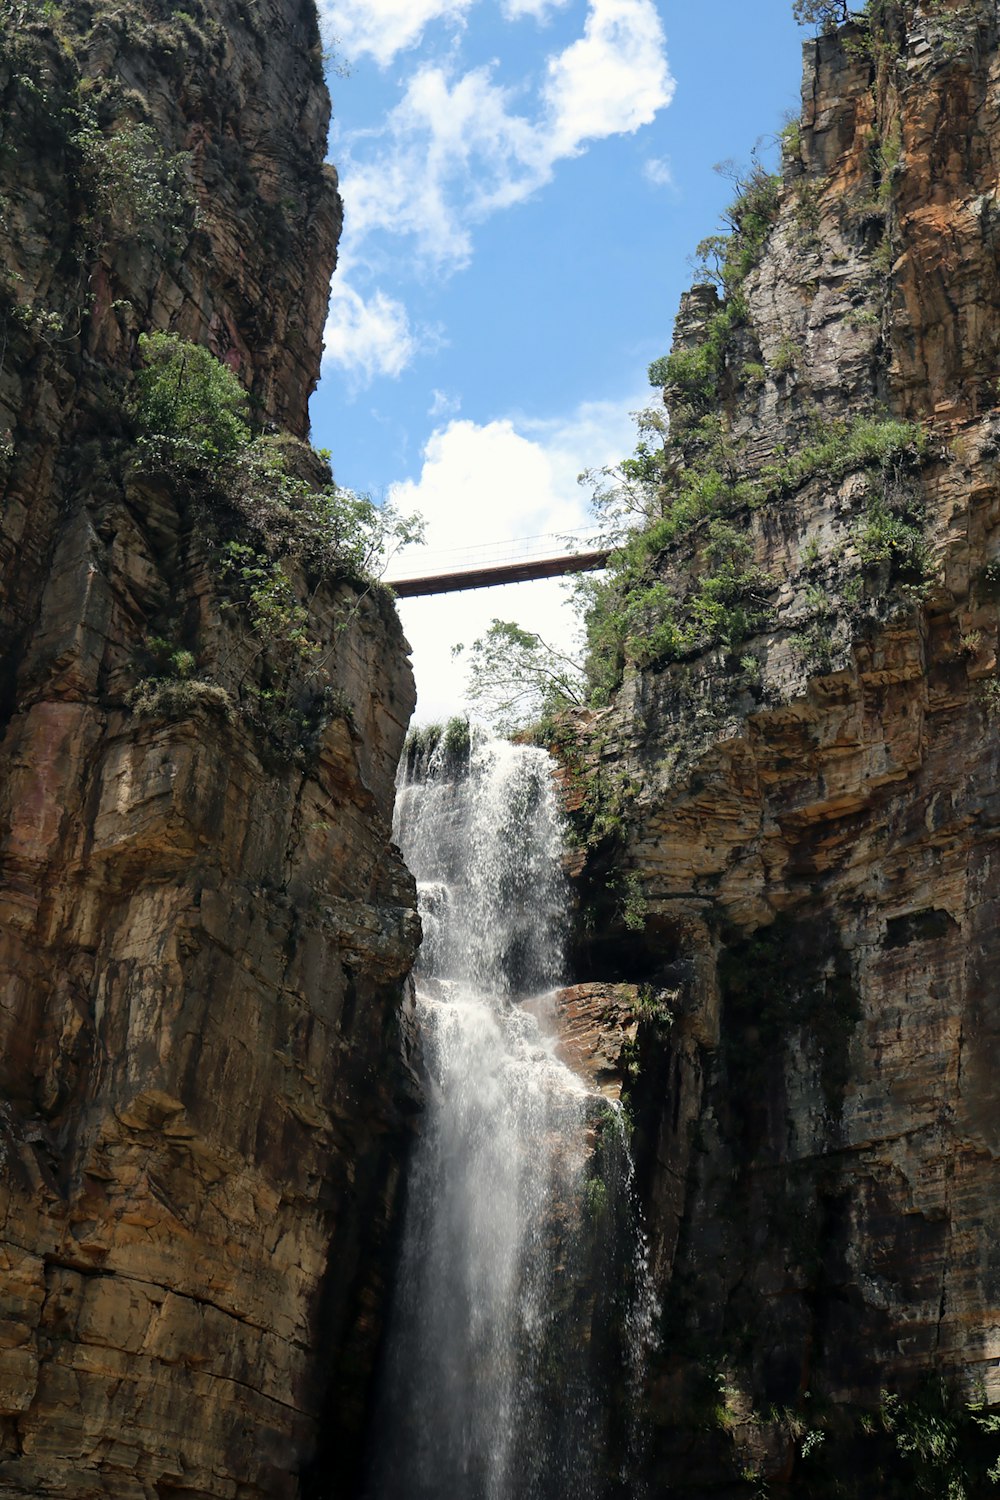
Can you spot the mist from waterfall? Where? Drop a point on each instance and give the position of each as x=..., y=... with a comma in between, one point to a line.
x=489, y=1390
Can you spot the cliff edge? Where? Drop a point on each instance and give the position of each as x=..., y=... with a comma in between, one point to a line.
x=792, y=793
x=205, y=929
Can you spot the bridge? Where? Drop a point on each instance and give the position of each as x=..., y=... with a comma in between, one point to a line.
x=492, y=563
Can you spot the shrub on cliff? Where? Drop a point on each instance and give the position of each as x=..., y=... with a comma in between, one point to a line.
x=826, y=14
x=274, y=526
x=187, y=401
x=725, y=260
x=193, y=414
x=515, y=677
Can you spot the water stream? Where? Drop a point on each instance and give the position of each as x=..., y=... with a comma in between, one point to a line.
x=495, y=1386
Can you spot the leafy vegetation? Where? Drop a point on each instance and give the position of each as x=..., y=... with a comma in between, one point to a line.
x=515, y=676
x=693, y=375
x=132, y=185
x=826, y=14
x=187, y=404
x=936, y=1433
x=192, y=414
x=636, y=615
x=275, y=529
x=453, y=740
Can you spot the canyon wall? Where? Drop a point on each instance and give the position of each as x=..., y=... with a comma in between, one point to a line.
x=205, y=931
x=803, y=804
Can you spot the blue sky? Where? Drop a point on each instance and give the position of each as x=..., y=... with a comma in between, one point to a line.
x=524, y=183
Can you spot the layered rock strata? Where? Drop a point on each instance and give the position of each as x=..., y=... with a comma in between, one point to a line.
x=810, y=813
x=204, y=928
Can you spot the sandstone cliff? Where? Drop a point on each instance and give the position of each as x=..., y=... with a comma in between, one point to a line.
x=204, y=927
x=793, y=790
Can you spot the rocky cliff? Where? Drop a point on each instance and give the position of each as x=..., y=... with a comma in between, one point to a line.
x=793, y=794
x=204, y=927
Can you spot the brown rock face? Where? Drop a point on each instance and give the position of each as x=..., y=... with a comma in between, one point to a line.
x=814, y=826
x=597, y=1024
x=204, y=930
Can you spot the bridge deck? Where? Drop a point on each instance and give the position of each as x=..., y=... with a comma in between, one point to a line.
x=484, y=578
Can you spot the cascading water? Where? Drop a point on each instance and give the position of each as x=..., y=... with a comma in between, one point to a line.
x=490, y=1388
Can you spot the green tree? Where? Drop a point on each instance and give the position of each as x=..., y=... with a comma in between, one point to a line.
x=826, y=14
x=628, y=496
x=188, y=400
x=516, y=678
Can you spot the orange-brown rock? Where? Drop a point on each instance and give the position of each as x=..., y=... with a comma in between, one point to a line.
x=814, y=826
x=204, y=929
x=597, y=1025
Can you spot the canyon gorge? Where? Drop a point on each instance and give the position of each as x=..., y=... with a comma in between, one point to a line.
x=757, y=1248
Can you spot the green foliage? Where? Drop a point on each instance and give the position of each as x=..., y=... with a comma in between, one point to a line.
x=791, y=138
x=454, y=740
x=192, y=414
x=826, y=14
x=595, y=1197
x=457, y=738
x=626, y=496
x=843, y=447
x=133, y=186
x=750, y=217
x=785, y=357
x=261, y=586
x=274, y=531
x=634, y=614
x=807, y=208
x=169, y=659
x=515, y=677
x=940, y=1435
x=634, y=905
x=170, y=689
x=599, y=796
x=815, y=640
x=989, y=697
x=692, y=376
x=888, y=539
x=186, y=403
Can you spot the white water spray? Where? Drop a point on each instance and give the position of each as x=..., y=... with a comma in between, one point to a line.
x=489, y=1390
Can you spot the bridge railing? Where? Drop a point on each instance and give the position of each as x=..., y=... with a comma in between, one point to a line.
x=485, y=564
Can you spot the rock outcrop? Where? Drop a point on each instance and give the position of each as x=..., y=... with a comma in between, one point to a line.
x=205, y=930
x=806, y=801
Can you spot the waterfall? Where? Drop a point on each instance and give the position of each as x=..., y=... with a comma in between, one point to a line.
x=490, y=1389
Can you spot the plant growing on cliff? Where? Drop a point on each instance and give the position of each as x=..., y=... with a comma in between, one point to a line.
x=516, y=677
x=132, y=185
x=946, y=1440
x=724, y=260
x=826, y=14
x=186, y=403
x=275, y=528
x=888, y=538
x=192, y=413
x=645, y=611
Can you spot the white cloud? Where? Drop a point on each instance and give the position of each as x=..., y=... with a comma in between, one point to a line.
x=612, y=80
x=448, y=154
x=367, y=337
x=658, y=171
x=443, y=405
x=383, y=27
x=491, y=482
x=454, y=150
x=538, y=10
